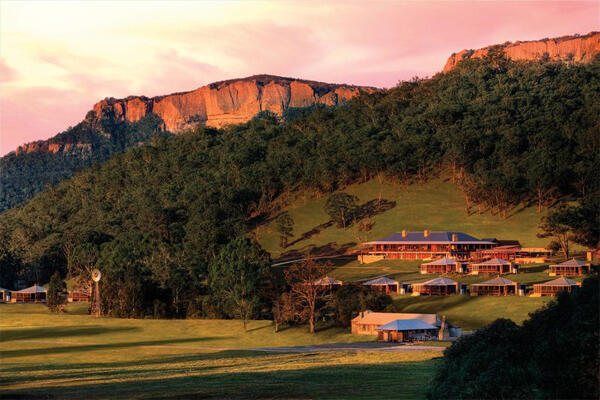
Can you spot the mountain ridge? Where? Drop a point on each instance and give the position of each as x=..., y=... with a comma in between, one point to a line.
x=216, y=104
x=576, y=48
x=229, y=102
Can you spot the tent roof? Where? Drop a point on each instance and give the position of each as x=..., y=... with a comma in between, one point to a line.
x=442, y=261
x=326, y=280
x=405, y=325
x=439, y=281
x=433, y=236
x=496, y=281
x=33, y=289
x=380, y=318
x=493, y=261
x=571, y=263
x=382, y=280
x=562, y=281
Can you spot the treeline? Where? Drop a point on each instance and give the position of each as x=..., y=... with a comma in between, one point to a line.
x=156, y=217
x=554, y=355
x=89, y=142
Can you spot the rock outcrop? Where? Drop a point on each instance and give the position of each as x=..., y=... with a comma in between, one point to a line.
x=228, y=102
x=44, y=146
x=567, y=48
x=216, y=105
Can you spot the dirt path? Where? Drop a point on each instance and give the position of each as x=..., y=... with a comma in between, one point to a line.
x=370, y=346
x=365, y=346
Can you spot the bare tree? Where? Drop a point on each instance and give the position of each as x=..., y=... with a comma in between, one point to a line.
x=284, y=309
x=310, y=296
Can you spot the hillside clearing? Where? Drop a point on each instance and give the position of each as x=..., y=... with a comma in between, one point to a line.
x=436, y=205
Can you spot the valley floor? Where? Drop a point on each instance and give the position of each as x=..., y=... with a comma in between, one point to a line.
x=72, y=355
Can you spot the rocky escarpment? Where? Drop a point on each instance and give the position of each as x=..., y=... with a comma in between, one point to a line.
x=44, y=146
x=567, y=48
x=228, y=102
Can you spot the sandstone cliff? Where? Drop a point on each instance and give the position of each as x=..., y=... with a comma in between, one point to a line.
x=228, y=102
x=216, y=105
x=567, y=48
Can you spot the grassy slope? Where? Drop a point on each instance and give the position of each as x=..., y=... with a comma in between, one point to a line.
x=435, y=205
x=75, y=356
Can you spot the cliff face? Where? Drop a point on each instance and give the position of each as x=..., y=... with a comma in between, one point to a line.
x=567, y=48
x=228, y=102
x=43, y=146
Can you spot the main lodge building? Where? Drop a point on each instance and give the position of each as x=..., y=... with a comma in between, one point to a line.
x=424, y=245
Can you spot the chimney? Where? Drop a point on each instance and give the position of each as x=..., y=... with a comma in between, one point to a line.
x=426, y=233
x=403, y=233
x=454, y=237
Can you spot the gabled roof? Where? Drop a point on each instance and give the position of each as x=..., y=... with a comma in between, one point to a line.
x=381, y=318
x=498, y=281
x=571, y=263
x=326, y=280
x=433, y=236
x=382, y=280
x=405, y=325
x=493, y=261
x=442, y=261
x=439, y=281
x=33, y=289
x=562, y=281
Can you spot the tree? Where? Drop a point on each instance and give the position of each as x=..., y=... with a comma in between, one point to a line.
x=309, y=296
x=284, y=225
x=284, y=309
x=238, y=274
x=579, y=224
x=11, y=266
x=558, y=225
x=341, y=208
x=56, y=290
x=489, y=364
x=554, y=355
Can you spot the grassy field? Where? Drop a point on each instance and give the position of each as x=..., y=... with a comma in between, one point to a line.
x=435, y=205
x=73, y=355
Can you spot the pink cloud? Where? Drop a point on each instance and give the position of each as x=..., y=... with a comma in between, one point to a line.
x=7, y=74
x=38, y=113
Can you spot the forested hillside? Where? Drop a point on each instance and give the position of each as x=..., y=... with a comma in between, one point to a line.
x=153, y=219
x=26, y=172
x=114, y=125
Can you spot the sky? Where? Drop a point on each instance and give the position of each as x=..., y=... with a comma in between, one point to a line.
x=57, y=59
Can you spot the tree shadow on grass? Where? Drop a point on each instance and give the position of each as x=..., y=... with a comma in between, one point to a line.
x=403, y=379
x=373, y=207
x=58, y=332
x=314, y=231
x=206, y=355
x=366, y=210
x=4, y=354
x=539, y=268
x=329, y=249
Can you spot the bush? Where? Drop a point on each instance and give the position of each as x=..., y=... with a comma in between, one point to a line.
x=553, y=356
x=55, y=297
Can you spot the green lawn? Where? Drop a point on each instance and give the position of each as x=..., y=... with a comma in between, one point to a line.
x=435, y=205
x=73, y=355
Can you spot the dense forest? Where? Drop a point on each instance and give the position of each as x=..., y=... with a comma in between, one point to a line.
x=554, y=355
x=89, y=142
x=155, y=218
